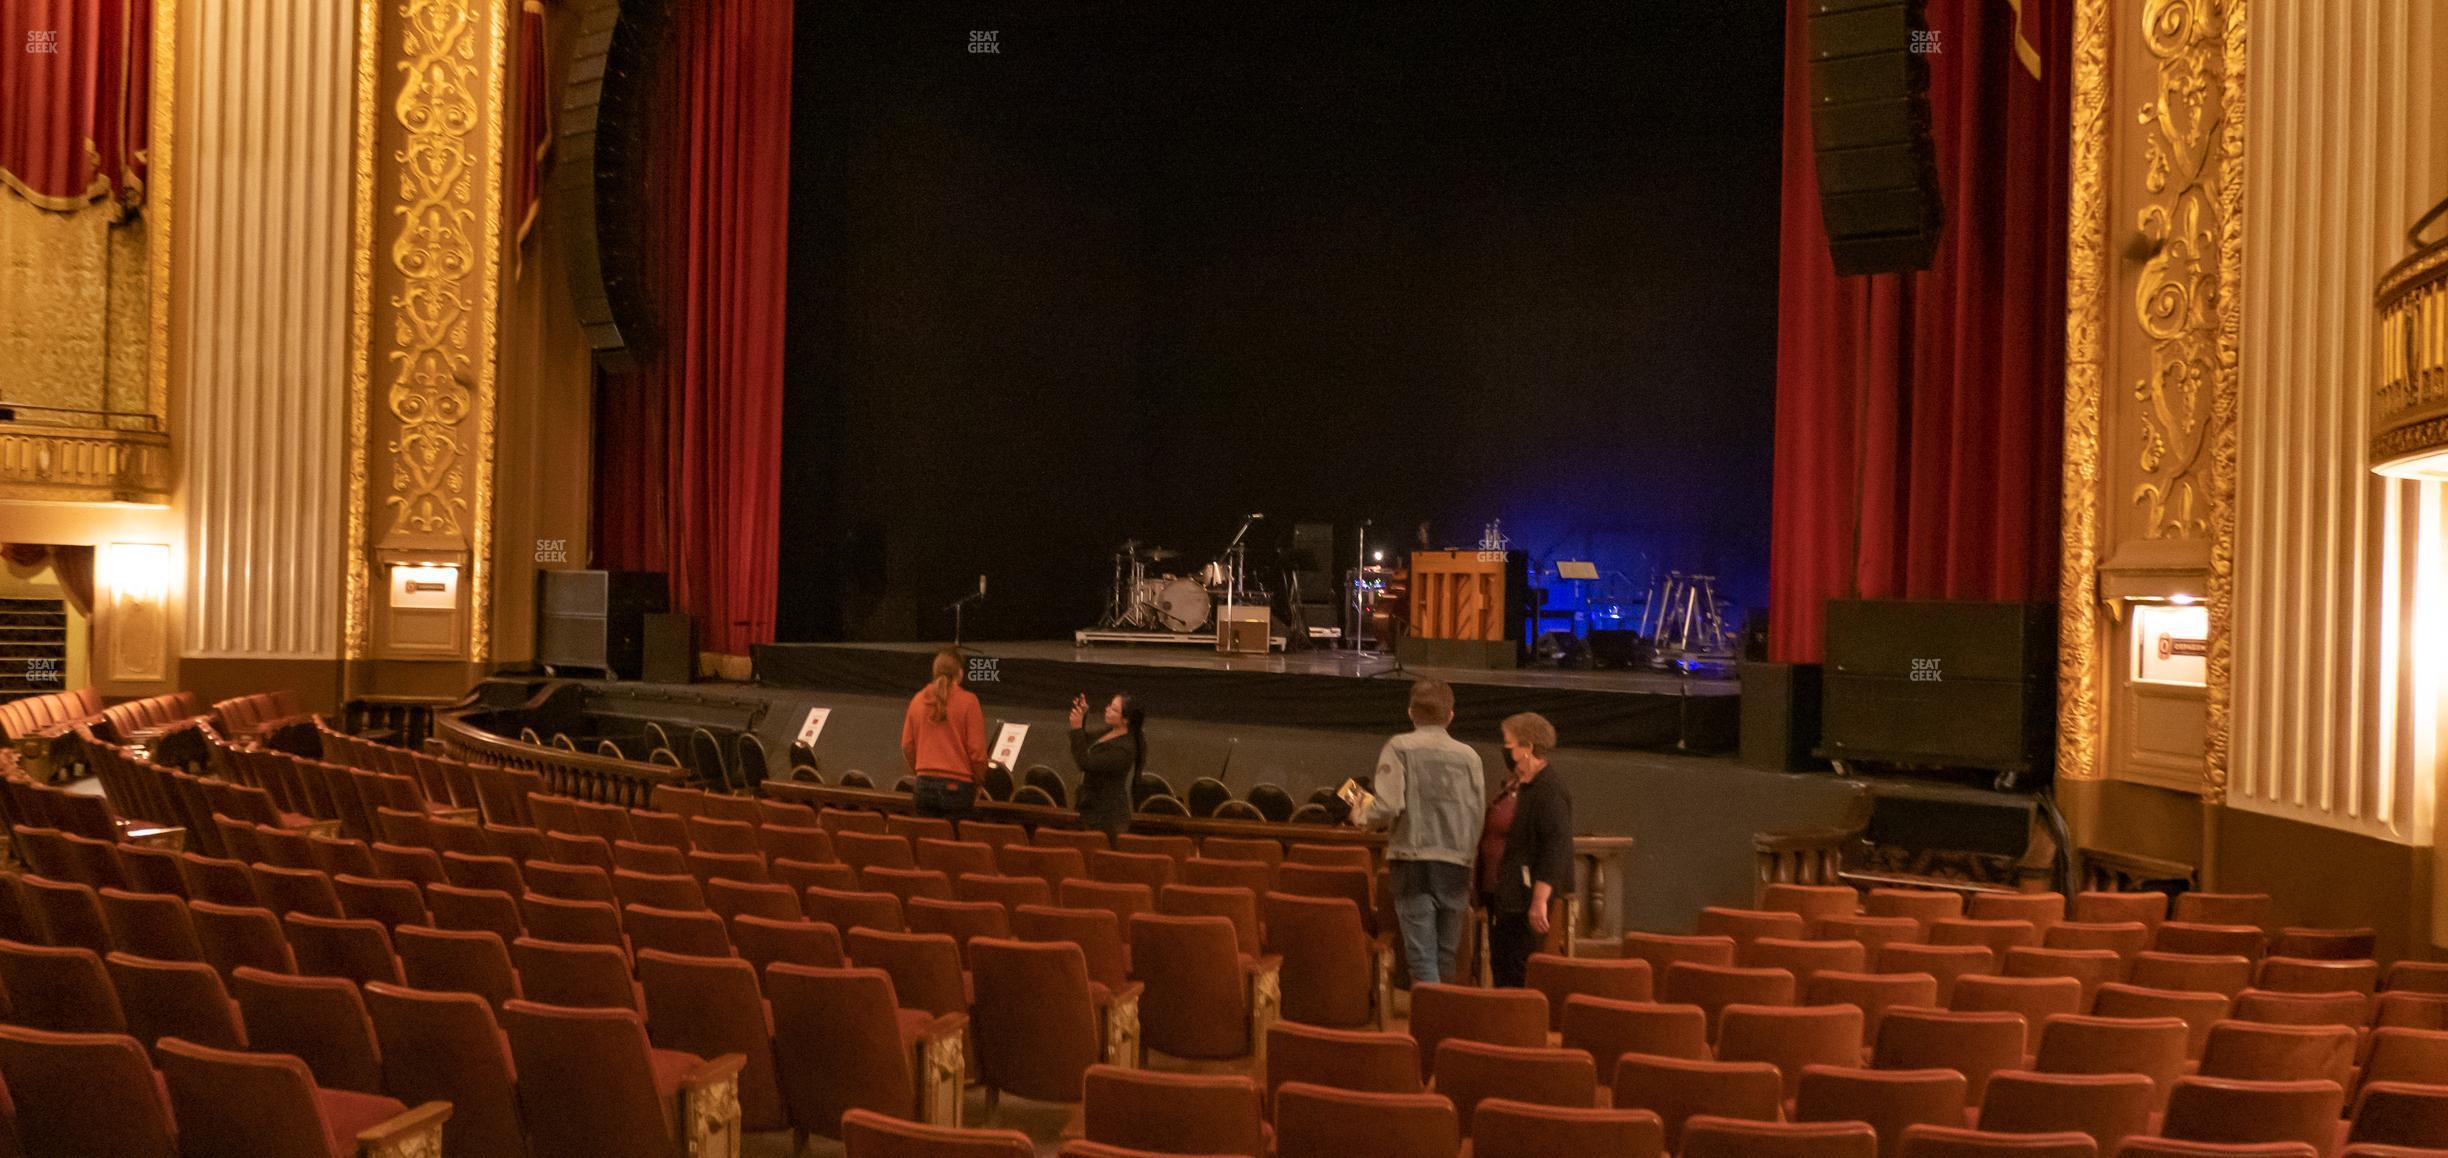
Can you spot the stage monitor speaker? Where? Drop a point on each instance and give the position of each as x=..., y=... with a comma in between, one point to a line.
x=1780, y=716
x=1943, y=684
x=1614, y=647
x=596, y=619
x=570, y=613
x=1870, y=133
x=670, y=648
x=603, y=156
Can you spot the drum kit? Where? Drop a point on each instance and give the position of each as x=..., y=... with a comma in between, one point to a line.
x=1145, y=598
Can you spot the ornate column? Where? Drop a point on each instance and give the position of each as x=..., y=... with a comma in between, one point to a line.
x=2154, y=265
x=428, y=249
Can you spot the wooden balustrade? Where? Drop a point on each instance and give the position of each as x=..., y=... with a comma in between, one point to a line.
x=467, y=734
x=1812, y=856
x=2105, y=870
x=400, y=721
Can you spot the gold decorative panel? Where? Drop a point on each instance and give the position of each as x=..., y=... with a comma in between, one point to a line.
x=428, y=238
x=2156, y=200
x=2179, y=299
x=2078, y=668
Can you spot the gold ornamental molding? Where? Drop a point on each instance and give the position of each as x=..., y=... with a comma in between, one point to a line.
x=84, y=465
x=2186, y=311
x=2409, y=401
x=2079, y=725
x=425, y=274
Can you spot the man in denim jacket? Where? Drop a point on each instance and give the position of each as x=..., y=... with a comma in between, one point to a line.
x=1431, y=788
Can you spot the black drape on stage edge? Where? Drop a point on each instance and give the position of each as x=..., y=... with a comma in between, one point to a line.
x=1585, y=717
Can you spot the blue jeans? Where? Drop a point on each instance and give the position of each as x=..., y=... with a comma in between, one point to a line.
x=942, y=797
x=1431, y=900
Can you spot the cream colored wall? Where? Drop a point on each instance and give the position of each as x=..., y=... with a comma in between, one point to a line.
x=260, y=285
x=544, y=445
x=2346, y=143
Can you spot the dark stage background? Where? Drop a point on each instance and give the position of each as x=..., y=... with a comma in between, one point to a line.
x=1148, y=268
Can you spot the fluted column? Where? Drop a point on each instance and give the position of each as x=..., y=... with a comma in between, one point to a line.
x=2347, y=145
x=258, y=349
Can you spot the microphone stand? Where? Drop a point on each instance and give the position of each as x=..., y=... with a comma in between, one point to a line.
x=1234, y=554
x=961, y=604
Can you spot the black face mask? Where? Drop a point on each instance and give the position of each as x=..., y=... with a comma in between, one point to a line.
x=1511, y=764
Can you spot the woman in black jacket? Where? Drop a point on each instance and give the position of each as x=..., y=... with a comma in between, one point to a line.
x=1530, y=840
x=1110, y=763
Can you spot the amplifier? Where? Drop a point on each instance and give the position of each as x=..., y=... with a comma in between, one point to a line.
x=1243, y=628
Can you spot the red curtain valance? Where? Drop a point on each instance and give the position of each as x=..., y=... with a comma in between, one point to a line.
x=75, y=100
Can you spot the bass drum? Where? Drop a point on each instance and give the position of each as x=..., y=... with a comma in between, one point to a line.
x=1180, y=605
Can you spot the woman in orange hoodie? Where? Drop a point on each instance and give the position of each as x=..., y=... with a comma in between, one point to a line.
x=943, y=740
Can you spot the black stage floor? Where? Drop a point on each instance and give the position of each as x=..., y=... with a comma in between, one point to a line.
x=1313, y=689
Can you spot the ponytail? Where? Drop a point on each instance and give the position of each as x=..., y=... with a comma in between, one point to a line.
x=947, y=673
x=1136, y=717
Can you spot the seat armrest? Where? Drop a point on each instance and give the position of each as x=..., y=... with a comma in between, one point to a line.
x=710, y=1107
x=1265, y=1005
x=1121, y=1025
x=1381, y=979
x=414, y=1134
x=939, y=1067
x=172, y=837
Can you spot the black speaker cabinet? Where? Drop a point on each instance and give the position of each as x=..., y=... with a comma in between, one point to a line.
x=1870, y=133
x=1942, y=683
x=1780, y=716
x=596, y=619
x=603, y=157
x=670, y=648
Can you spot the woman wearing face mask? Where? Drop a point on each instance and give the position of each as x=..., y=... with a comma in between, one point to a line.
x=1525, y=852
x=1110, y=762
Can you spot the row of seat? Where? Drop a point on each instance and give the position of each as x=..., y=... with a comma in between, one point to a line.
x=1335, y=971
x=558, y=1079
x=1341, y=1092
x=2193, y=922
x=32, y=716
x=253, y=717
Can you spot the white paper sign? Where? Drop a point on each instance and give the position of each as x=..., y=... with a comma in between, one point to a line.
x=1007, y=745
x=814, y=727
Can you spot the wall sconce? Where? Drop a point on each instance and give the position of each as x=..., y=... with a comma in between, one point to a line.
x=137, y=572
x=137, y=575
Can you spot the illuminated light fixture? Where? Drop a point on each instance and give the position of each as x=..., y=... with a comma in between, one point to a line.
x=138, y=572
x=425, y=586
x=1378, y=556
x=2181, y=600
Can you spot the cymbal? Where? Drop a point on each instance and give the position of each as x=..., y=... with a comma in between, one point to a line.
x=1160, y=554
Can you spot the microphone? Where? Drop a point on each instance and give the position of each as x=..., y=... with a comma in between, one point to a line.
x=1258, y=515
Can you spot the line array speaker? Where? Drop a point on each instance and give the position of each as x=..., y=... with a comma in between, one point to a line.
x=598, y=190
x=1870, y=133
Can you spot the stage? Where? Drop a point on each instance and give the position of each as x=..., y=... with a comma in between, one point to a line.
x=1336, y=689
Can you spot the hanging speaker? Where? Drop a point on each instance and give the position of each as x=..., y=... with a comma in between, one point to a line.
x=600, y=173
x=1870, y=133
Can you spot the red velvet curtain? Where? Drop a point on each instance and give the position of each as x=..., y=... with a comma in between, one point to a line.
x=1919, y=417
x=75, y=100
x=689, y=443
